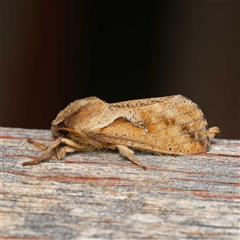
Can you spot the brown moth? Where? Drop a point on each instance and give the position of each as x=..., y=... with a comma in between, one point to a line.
x=166, y=125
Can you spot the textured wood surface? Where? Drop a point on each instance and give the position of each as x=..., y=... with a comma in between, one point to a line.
x=102, y=195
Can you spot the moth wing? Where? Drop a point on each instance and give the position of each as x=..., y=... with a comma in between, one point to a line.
x=180, y=128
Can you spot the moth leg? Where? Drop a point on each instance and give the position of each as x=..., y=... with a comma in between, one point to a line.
x=47, y=154
x=37, y=160
x=51, y=150
x=62, y=152
x=129, y=154
x=213, y=131
x=37, y=145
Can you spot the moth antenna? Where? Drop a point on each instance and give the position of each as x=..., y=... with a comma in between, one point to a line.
x=73, y=131
x=213, y=131
x=68, y=130
x=87, y=140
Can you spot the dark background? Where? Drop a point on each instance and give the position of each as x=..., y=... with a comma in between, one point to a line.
x=54, y=52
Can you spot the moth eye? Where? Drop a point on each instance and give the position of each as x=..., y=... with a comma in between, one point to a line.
x=170, y=149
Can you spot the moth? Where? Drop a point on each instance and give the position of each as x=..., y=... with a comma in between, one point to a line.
x=165, y=125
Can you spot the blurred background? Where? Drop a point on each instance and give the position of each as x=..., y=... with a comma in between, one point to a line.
x=54, y=52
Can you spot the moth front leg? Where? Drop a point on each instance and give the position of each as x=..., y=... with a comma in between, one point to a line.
x=70, y=148
x=60, y=153
x=63, y=151
x=129, y=154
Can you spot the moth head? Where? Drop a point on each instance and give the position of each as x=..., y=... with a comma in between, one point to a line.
x=69, y=112
x=56, y=132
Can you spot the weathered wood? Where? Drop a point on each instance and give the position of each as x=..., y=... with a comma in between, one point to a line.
x=102, y=195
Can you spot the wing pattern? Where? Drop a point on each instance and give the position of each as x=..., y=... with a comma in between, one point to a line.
x=171, y=125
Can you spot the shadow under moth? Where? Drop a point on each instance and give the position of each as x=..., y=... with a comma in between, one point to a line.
x=166, y=125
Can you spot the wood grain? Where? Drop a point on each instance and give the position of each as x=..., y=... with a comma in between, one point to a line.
x=102, y=195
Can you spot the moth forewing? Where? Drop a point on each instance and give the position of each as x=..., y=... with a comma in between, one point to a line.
x=162, y=141
x=176, y=127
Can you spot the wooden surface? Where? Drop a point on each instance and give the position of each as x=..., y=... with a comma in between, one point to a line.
x=102, y=195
